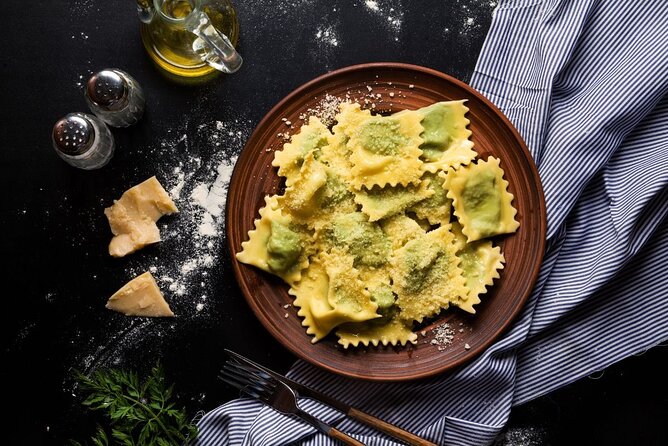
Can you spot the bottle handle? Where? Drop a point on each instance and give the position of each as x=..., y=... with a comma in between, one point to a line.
x=145, y=11
x=213, y=46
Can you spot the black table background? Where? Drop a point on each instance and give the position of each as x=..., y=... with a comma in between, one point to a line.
x=57, y=274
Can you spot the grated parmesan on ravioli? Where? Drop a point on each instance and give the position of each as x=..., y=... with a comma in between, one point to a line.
x=384, y=222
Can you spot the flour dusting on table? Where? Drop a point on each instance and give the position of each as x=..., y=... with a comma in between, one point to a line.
x=328, y=40
x=193, y=239
x=467, y=18
x=81, y=8
x=194, y=163
x=284, y=14
x=327, y=35
x=389, y=12
x=522, y=436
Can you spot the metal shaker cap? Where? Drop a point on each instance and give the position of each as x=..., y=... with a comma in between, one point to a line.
x=73, y=134
x=107, y=89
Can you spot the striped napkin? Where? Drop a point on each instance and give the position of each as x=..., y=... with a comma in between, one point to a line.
x=585, y=82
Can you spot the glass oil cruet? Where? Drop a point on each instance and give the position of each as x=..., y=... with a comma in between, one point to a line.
x=190, y=38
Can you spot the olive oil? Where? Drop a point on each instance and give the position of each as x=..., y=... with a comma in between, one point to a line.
x=178, y=9
x=170, y=44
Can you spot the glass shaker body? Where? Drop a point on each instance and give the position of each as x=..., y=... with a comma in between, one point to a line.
x=115, y=97
x=83, y=141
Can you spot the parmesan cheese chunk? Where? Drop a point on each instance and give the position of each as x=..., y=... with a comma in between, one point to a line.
x=140, y=297
x=132, y=218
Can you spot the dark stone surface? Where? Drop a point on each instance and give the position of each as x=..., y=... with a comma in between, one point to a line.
x=57, y=274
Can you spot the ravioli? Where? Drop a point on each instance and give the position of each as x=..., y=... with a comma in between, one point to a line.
x=445, y=139
x=365, y=241
x=436, y=207
x=393, y=332
x=481, y=262
x=379, y=203
x=336, y=155
x=481, y=200
x=367, y=231
x=331, y=294
x=300, y=197
x=276, y=245
x=427, y=276
x=310, y=139
x=384, y=150
x=316, y=194
x=401, y=229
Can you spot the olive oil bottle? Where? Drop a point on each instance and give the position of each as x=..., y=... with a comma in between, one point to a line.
x=174, y=35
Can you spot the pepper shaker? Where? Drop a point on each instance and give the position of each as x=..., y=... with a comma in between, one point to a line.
x=83, y=141
x=115, y=97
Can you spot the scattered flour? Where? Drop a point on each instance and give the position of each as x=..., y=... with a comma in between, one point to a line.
x=522, y=436
x=469, y=24
x=82, y=79
x=391, y=14
x=175, y=191
x=327, y=35
x=114, y=349
x=372, y=4
x=196, y=167
x=212, y=198
x=81, y=8
x=467, y=18
x=194, y=163
x=327, y=40
x=284, y=15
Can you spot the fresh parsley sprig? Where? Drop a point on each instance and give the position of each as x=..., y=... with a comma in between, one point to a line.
x=138, y=413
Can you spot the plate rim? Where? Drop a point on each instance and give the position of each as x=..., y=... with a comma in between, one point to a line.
x=473, y=352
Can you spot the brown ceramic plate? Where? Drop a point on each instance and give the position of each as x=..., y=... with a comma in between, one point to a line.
x=412, y=87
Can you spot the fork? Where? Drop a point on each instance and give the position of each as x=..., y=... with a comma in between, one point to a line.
x=279, y=396
x=248, y=366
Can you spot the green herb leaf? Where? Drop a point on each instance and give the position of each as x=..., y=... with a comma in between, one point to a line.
x=137, y=413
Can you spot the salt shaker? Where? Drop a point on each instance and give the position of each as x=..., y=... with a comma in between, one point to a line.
x=83, y=141
x=115, y=97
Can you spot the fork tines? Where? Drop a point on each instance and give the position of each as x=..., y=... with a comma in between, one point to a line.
x=247, y=380
x=243, y=369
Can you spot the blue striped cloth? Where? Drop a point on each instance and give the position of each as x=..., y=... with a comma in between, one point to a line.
x=585, y=83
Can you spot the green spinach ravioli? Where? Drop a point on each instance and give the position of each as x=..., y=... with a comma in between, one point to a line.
x=385, y=222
